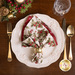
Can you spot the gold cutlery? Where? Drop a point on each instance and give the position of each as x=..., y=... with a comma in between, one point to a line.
x=65, y=64
x=9, y=32
x=70, y=33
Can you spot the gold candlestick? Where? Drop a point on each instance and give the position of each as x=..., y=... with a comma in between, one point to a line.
x=20, y=1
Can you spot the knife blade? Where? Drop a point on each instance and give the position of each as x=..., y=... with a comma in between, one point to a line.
x=64, y=29
x=64, y=25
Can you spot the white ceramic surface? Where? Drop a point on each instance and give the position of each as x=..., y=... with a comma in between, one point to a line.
x=50, y=54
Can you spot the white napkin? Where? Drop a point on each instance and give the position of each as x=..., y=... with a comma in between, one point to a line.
x=34, y=30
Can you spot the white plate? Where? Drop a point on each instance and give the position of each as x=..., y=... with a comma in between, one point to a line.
x=50, y=54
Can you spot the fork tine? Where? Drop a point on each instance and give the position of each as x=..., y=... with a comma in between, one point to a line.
x=9, y=27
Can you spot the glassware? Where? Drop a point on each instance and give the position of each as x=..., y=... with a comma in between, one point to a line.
x=62, y=7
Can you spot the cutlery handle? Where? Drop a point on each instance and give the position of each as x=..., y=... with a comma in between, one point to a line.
x=70, y=52
x=65, y=54
x=9, y=54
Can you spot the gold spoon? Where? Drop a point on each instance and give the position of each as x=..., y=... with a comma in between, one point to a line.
x=65, y=64
x=70, y=33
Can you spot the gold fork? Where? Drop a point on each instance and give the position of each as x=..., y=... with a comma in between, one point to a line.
x=9, y=32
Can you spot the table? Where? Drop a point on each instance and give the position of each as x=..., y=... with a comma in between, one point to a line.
x=17, y=68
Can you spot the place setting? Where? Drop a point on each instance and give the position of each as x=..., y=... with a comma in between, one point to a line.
x=38, y=40
x=39, y=46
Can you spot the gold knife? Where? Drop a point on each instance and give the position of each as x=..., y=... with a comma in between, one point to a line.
x=9, y=32
x=64, y=29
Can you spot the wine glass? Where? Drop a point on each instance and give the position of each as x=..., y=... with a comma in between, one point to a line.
x=62, y=7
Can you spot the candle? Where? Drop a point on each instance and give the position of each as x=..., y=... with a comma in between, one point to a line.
x=20, y=1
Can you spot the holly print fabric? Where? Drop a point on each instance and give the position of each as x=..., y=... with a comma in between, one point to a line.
x=37, y=35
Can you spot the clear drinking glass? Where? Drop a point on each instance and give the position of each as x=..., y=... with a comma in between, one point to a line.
x=62, y=7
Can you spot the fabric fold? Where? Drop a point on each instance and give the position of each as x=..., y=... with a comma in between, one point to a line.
x=38, y=32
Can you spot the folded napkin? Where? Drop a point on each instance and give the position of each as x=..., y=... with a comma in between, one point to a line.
x=37, y=31
x=37, y=34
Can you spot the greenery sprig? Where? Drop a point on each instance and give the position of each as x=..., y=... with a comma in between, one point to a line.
x=15, y=7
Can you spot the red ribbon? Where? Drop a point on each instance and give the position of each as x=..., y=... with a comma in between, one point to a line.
x=50, y=32
x=27, y=21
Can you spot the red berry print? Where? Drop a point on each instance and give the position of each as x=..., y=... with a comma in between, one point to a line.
x=31, y=30
x=39, y=25
x=24, y=46
x=34, y=24
x=34, y=39
x=35, y=45
x=41, y=31
x=30, y=44
x=11, y=4
x=49, y=43
x=53, y=45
